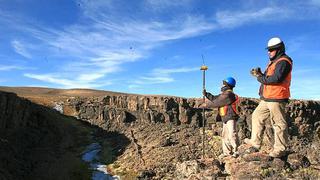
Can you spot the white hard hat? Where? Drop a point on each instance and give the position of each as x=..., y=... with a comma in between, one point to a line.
x=274, y=42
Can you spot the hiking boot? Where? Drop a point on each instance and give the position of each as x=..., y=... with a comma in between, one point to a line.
x=277, y=154
x=253, y=148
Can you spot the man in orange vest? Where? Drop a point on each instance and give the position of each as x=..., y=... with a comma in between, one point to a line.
x=274, y=94
x=227, y=102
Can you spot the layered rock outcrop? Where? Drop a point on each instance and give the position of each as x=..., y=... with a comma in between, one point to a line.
x=137, y=113
x=112, y=111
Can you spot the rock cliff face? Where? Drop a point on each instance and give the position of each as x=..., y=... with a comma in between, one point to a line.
x=177, y=121
x=32, y=140
x=165, y=135
x=112, y=111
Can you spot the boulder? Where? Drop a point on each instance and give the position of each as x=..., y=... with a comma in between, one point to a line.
x=297, y=161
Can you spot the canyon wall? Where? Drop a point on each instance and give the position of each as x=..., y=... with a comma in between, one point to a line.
x=34, y=140
x=118, y=112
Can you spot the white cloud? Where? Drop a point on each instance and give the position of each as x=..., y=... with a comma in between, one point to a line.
x=231, y=19
x=50, y=78
x=67, y=83
x=12, y=67
x=154, y=80
x=104, y=39
x=92, y=8
x=160, y=75
x=20, y=49
x=161, y=71
x=105, y=43
x=159, y=5
x=168, y=3
x=154, y=31
x=90, y=77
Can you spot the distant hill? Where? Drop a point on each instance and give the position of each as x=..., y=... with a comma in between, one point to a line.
x=30, y=91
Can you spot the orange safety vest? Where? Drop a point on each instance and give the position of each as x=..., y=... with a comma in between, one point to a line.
x=223, y=110
x=280, y=90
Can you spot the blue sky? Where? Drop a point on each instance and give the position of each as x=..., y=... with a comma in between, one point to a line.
x=155, y=46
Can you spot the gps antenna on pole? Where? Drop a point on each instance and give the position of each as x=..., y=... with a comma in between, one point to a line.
x=203, y=69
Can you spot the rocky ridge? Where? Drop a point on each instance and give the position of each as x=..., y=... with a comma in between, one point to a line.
x=165, y=133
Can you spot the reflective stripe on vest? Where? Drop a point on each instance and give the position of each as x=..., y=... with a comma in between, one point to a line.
x=223, y=110
x=280, y=90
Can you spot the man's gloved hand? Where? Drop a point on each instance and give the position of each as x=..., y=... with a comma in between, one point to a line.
x=256, y=72
x=204, y=92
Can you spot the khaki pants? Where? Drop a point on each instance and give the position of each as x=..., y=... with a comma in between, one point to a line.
x=229, y=138
x=276, y=112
